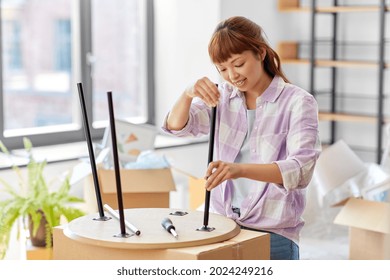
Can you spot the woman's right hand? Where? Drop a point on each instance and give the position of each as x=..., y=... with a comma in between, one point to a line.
x=205, y=90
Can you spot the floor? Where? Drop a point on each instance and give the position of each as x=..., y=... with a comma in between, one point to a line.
x=324, y=242
x=321, y=239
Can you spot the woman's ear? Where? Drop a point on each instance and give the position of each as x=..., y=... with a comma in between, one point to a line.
x=263, y=54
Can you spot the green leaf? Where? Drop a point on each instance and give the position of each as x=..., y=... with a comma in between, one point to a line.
x=32, y=194
x=27, y=144
x=3, y=148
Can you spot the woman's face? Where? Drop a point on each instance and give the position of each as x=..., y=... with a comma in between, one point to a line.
x=244, y=71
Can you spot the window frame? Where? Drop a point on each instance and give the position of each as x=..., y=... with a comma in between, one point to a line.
x=82, y=71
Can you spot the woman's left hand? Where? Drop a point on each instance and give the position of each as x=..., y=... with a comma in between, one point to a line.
x=219, y=171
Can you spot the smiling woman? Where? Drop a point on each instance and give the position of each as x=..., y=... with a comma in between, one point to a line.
x=49, y=46
x=266, y=131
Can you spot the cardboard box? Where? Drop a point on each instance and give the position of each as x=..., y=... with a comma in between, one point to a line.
x=196, y=192
x=196, y=189
x=247, y=245
x=141, y=188
x=288, y=50
x=285, y=5
x=369, y=228
x=38, y=253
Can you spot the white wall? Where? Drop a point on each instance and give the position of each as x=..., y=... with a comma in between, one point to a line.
x=182, y=31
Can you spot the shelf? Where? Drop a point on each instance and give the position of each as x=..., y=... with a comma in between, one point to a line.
x=349, y=9
x=326, y=116
x=345, y=63
x=294, y=6
x=324, y=41
x=288, y=52
x=295, y=9
x=355, y=96
x=295, y=61
x=335, y=63
x=339, y=9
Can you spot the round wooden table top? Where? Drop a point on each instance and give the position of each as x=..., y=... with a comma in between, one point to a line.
x=88, y=229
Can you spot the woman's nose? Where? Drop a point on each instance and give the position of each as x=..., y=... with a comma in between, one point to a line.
x=233, y=74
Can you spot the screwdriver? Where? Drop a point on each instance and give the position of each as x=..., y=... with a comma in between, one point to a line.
x=168, y=225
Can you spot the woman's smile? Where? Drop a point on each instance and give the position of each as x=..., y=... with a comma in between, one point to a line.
x=239, y=83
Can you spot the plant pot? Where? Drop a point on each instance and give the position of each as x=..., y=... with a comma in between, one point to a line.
x=39, y=239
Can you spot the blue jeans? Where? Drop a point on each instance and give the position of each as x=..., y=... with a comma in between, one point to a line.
x=282, y=248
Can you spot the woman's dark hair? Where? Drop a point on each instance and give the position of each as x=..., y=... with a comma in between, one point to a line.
x=238, y=34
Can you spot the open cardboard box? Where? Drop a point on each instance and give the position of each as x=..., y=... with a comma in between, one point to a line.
x=369, y=228
x=196, y=189
x=141, y=188
x=196, y=192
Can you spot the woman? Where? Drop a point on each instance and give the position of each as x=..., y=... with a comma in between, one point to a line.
x=267, y=139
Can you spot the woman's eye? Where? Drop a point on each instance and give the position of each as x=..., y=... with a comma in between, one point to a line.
x=239, y=65
x=222, y=70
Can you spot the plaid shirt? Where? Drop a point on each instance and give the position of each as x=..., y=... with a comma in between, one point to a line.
x=285, y=132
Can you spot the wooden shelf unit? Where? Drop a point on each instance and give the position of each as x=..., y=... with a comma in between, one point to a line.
x=289, y=54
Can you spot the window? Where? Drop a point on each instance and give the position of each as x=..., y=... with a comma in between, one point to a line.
x=48, y=46
x=12, y=55
x=62, y=45
x=119, y=72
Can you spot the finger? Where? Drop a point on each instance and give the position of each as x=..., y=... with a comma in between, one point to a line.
x=211, y=168
x=216, y=179
x=219, y=174
x=201, y=92
x=212, y=89
x=207, y=91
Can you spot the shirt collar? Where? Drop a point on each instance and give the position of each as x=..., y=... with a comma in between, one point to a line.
x=274, y=90
x=234, y=92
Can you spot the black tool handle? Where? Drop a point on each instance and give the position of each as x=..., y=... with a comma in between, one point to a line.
x=167, y=224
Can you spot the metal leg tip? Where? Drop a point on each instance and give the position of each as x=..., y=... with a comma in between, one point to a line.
x=104, y=218
x=205, y=228
x=123, y=235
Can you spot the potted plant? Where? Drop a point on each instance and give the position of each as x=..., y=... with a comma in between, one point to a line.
x=32, y=199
